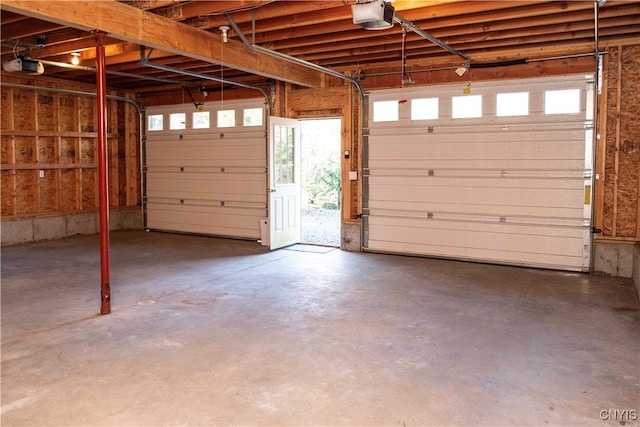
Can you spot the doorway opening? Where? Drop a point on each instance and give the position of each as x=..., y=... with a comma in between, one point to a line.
x=320, y=143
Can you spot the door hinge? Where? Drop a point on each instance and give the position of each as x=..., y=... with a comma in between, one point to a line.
x=596, y=230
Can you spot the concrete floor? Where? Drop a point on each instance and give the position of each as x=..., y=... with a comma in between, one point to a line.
x=221, y=332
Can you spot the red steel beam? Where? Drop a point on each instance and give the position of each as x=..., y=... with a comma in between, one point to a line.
x=103, y=173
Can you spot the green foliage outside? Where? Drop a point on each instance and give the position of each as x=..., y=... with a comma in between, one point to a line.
x=321, y=164
x=322, y=185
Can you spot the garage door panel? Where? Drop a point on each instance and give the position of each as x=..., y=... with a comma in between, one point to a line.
x=481, y=255
x=422, y=210
x=532, y=198
x=208, y=184
x=471, y=164
x=482, y=245
x=413, y=179
x=511, y=190
x=206, y=163
x=511, y=238
x=499, y=134
x=207, y=181
x=549, y=227
x=210, y=197
x=487, y=149
x=205, y=219
x=205, y=154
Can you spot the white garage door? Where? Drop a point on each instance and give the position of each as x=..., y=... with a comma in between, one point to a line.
x=206, y=171
x=493, y=172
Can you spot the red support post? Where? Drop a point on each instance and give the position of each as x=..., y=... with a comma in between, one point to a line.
x=103, y=174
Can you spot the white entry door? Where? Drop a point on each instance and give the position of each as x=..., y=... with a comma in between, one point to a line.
x=284, y=182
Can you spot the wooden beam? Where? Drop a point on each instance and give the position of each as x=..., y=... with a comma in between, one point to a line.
x=136, y=26
x=27, y=27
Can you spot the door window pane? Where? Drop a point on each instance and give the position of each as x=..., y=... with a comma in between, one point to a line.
x=424, y=109
x=226, y=118
x=155, y=122
x=177, y=121
x=466, y=106
x=385, y=111
x=284, y=155
x=512, y=104
x=201, y=120
x=253, y=117
x=565, y=101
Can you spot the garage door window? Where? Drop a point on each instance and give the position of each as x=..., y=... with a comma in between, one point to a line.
x=385, y=111
x=512, y=104
x=252, y=117
x=226, y=118
x=424, y=109
x=177, y=121
x=155, y=122
x=201, y=120
x=466, y=107
x=565, y=101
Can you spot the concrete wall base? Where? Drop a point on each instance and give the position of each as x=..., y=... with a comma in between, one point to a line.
x=613, y=258
x=350, y=239
x=56, y=227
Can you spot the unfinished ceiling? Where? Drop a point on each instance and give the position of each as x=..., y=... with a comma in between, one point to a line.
x=321, y=32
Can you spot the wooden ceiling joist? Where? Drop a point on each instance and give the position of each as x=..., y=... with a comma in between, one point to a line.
x=161, y=33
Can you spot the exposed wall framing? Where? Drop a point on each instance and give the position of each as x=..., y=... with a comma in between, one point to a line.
x=48, y=155
x=618, y=151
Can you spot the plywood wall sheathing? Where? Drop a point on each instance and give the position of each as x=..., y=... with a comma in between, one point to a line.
x=67, y=113
x=47, y=194
x=620, y=146
x=132, y=151
x=26, y=191
x=46, y=112
x=6, y=108
x=48, y=149
x=69, y=190
x=628, y=206
x=7, y=193
x=24, y=107
x=87, y=114
x=89, y=179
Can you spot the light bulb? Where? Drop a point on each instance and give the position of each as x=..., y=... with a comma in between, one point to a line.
x=75, y=58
